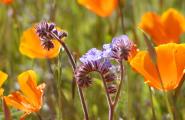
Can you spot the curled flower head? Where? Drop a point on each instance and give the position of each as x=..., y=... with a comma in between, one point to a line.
x=163, y=29
x=170, y=62
x=3, y=77
x=93, y=61
x=102, y=8
x=120, y=48
x=47, y=32
x=30, y=100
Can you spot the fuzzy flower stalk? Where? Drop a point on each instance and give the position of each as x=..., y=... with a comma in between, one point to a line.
x=48, y=32
x=93, y=61
x=120, y=49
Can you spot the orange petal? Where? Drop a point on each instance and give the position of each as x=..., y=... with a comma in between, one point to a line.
x=27, y=81
x=164, y=29
x=167, y=65
x=151, y=24
x=174, y=24
x=171, y=65
x=18, y=101
x=143, y=65
x=3, y=77
x=30, y=46
x=102, y=8
x=1, y=91
x=180, y=58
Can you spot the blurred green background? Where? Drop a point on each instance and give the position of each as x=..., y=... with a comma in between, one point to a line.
x=86, y=30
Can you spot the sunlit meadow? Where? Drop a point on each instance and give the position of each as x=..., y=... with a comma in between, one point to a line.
x=92, y=59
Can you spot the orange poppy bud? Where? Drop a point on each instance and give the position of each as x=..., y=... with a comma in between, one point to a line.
x=3, y=77
x=31, y=46
x=170, y=62
x=30, y=100
x=163, y=29
x=102, y=8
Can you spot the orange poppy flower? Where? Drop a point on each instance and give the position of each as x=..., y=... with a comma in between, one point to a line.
x=3, y=77
x=30, y=45
x=31, y=99
x=102, y=8
x=170, y=62
x=6, y=1
x=163, y=29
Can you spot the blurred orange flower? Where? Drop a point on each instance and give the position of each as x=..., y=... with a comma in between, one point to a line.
x=6, y=1
x=163, y=29
x=170, y=62
x=3, y=77
x=102, y=8
x=31, y=99
x=30, y=46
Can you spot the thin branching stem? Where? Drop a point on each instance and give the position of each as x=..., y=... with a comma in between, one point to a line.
x=39, y=116
x=109, y=101
x=73, y=64
x=114, y=103
x=120, y=84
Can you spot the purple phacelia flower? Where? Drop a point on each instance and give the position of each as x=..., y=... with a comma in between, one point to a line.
x=47, y=32
x=92, y=55
x=119, y=49
x=93, y=61
x=107, y=51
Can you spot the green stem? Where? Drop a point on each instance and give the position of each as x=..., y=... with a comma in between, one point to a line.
x=161, y=3
x=73, y=64
x=109, y=101
x=39, y=116
x=120, y=84
x=59, y=86
x=121, y=16
x=152, y=104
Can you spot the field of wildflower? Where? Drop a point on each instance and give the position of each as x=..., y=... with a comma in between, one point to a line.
x=92, y=59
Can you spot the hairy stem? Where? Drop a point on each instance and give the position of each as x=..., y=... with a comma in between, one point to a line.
x=109, y=101
x=73, y=64
x=113, y=104
x=120, y=84
x=111, y=112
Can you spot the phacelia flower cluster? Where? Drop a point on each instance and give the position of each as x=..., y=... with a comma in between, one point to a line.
x=94, y=61
x=48, y=32
x=120, y=48
x=97, y=60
